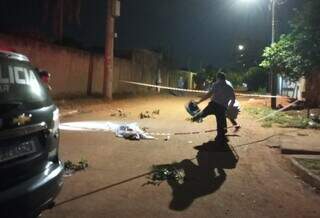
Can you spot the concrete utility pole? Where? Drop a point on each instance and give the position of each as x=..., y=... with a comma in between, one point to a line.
x=273, y=76
x=109, y=47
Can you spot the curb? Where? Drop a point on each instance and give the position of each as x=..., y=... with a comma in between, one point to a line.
x=69, y=113
x=298, y=151
x=305, y=174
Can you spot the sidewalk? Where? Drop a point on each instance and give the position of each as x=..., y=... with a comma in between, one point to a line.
x=310, y=176
x=300, y=142
x=299, y=145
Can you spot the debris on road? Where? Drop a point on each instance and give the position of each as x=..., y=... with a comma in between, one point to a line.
x=162, y=173
x=156, y=112
x=145, y=129
x=189, y=119
x=71, y=167
x=147, y=114
x=144, y=115
x=119, y=113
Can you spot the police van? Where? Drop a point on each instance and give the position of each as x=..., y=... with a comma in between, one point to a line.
x=30, y=169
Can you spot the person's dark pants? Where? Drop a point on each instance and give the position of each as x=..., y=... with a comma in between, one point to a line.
x=234, y=122
x=220, y=112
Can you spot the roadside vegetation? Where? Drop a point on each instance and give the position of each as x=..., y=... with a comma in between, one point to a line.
x=281, y=119
x=297, y=54
x=311, y=164
x=255, y=78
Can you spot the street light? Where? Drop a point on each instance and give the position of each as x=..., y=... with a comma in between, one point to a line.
x=241, y=47
x=273, y=78
x=248, y=0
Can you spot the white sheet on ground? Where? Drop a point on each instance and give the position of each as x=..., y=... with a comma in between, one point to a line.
x=127, y=131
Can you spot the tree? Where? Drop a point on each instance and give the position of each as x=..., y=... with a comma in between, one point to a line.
x=234, y=75
x=256, y=78
x=282, y=58
x=297, y=53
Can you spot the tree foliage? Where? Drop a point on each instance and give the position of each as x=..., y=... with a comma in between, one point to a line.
x=256, y=78
x=234, y=75
x=297, y=53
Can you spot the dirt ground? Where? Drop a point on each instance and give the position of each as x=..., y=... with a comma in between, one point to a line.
x=248, y=180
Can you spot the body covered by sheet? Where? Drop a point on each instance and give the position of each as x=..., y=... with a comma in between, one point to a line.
x=128, y=131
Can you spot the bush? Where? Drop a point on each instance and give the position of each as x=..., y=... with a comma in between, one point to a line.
x=235, y=76
x=256, y=79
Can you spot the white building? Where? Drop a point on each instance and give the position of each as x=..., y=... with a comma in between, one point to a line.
x=291, y=89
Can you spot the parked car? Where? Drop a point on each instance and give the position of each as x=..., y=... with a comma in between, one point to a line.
x=30, y=169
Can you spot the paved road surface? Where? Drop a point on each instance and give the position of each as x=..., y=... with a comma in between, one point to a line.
x=259, y=184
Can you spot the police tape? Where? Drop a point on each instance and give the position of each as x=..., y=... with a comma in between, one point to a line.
x=185, y=133
x=163, y=87
x=195, y=91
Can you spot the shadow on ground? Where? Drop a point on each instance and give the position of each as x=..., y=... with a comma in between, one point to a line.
x=203, y=178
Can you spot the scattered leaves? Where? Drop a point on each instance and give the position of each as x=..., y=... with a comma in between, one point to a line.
x=119, y=113
x=71, y=167
x=147, y=114
x=156, y=112
x=166, y=172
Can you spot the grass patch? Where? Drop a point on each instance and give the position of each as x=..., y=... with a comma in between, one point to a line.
x=282, y=119
x=262, y=91
x=312, y=164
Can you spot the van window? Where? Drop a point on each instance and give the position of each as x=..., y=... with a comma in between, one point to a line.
x=20, y=84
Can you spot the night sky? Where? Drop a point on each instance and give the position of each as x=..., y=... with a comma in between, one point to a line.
x=193, y=32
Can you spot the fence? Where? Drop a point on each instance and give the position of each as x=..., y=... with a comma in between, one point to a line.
x=76, y=72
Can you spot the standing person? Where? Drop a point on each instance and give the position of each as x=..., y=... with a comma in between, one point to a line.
x=159, y=80
x=45, y=78
x=221, y=94
x=181, y=84
x=200, y=80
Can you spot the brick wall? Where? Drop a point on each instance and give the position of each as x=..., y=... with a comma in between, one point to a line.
x=70, y=67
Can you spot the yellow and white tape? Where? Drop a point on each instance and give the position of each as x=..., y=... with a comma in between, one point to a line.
x=196, y=91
